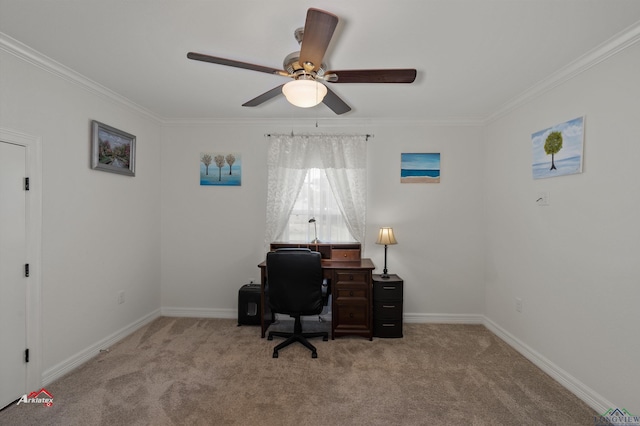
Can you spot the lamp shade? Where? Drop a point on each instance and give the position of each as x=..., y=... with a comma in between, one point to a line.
x=304, y=93
x=386, y=237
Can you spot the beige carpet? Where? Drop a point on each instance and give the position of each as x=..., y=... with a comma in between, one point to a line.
x=188, y=371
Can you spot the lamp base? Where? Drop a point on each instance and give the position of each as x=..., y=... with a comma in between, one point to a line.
x=316, y=241
x=384, y=274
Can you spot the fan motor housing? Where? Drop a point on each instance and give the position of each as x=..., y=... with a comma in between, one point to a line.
x=291, y=64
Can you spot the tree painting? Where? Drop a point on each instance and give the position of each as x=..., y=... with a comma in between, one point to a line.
x=112, y=150
x=552, y=146
x=230, y=160
x=558, y=150
x=206, y=160
x=117, y=154
x=221, y=160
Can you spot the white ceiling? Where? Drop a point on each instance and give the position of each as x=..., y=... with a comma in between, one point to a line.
x=473, y=56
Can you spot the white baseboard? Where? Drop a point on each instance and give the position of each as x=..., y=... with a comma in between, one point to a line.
x=199, y=312
x=443, y=318
x=573, y=385
x=81, y=357
x=408, y=318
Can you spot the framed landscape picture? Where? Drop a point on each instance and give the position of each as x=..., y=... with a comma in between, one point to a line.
x=558, y=150
x=112, y=150
x=420, y=168
x=217, y=168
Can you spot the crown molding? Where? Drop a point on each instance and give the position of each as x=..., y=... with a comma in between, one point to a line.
x=37, y=59
x=604, y=51
x=319, y=124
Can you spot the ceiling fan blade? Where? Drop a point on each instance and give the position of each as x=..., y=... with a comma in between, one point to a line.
x=264, y=97
x=318, y=30
x=334, y=102
x=232, y=63
x=375, y=76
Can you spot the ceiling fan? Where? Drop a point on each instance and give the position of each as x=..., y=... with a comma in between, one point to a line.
x=307, y=69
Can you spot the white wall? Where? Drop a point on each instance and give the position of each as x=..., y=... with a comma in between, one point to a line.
x=100, y=231
x=213, y=237
x=575, y=262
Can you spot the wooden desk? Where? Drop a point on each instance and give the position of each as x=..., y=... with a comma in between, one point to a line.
x=351, y=290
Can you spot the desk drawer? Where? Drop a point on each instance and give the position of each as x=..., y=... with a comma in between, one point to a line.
x=352, y=315
x=351, y=291
x=345, y=254
x=348, y=277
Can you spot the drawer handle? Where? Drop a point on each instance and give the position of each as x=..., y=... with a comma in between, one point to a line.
x=388, y=325
x=351, y=277
x=345, y=255
x=351, y=315
x=351, y=293
x=388, y=306
x=389, y=288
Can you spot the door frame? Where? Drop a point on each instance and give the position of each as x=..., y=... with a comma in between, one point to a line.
x=33, y=148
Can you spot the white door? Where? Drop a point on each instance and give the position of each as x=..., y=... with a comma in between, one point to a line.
x=13, y=283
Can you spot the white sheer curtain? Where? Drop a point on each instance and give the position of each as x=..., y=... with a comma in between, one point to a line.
x=342, y=157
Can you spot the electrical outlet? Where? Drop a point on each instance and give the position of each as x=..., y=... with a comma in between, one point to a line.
x=120, y=297
x=518, y=304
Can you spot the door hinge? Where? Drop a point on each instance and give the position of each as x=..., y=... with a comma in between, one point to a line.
x=26, y=270
x=26, y=184
x=26, y=355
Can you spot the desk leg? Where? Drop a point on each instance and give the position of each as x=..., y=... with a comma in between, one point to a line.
x=267, y=316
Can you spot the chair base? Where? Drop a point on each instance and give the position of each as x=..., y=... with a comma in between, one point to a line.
x=297, y=336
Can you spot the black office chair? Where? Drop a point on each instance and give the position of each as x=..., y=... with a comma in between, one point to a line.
x=294, y=286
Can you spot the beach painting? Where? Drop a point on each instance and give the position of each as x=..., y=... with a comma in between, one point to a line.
x=558, y=150
x=420, y=168
x=222, y=169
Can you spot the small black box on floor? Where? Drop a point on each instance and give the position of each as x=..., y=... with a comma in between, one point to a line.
x=249, y=311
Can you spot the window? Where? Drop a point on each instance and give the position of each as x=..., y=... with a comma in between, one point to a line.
x=341, y=160
x=316, y=200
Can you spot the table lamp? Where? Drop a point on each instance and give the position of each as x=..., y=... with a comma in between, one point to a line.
x=386, y=237
x=315, y=228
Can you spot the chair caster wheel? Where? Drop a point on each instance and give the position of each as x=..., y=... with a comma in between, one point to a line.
x=275, y=354
x=270, y=337
x=325, y=338
x=314, y=355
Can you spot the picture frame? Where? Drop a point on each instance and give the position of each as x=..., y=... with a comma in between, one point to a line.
x=112, y=150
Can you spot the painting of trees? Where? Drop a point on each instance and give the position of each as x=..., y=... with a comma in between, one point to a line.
x=112, y=150
x=117, y=155
x=558, y=150
x=553, y=145
x=221, y=160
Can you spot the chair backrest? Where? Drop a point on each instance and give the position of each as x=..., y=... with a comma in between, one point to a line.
x=294, y=281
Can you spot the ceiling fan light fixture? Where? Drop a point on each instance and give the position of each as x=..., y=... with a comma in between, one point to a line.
x=304, y=93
